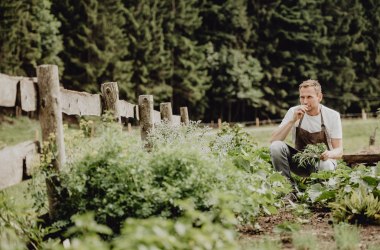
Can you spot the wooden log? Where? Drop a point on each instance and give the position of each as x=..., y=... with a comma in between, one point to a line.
x=80, y=103
x=50, y=109
x=184, y=115
x=17, y=161
x=51, y=124
x=8, y=93
x=353, y=159
x=166, y=112
x=110, y=96
x=28, y=94
x=146, y=115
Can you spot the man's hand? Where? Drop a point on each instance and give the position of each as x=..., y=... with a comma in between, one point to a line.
x=299, y=113
x=325, y=155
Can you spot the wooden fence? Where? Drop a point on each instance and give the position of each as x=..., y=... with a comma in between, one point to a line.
x=44, y=95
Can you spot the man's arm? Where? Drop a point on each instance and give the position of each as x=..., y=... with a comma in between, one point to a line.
x=280, y=133
x=336, y=152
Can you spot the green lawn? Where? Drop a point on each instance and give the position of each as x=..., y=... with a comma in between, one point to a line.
x=16, y=130
x=356, y=133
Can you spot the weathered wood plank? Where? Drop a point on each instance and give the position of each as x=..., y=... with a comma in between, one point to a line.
x=8, y=87
x=80, y=103
x=28, y=95
x=361, y=158
x=156, y=117
x=13, y=161
x=176, y=120
x=126, y=109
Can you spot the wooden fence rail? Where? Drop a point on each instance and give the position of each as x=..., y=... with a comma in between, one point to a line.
x=44, y=95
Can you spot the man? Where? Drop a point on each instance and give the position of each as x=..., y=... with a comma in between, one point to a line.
x=310, y=123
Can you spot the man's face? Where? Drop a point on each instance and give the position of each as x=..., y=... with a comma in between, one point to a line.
x=311, y=98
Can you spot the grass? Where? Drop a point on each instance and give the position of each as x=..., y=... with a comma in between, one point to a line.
x=356, y=133
x=16, y=130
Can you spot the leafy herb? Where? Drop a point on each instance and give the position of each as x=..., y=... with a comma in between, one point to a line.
x=310, y=155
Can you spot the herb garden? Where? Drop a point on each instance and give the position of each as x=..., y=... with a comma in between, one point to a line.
x=193, y=189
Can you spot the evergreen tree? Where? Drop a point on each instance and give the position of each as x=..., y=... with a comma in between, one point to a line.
x=291, y=47
x=235, y=75
x=95, y=44
x=345, y=26
x=367, y=58
x=189, y=79
x=29, y=36
x=150, y=59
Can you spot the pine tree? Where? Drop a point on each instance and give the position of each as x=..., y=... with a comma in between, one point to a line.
x=29, y=36
x=367, y=58
x=345, y=26
x=189, y=79
x=150, y=59
x=291, y=47
x=95, y=44
x=235, y=74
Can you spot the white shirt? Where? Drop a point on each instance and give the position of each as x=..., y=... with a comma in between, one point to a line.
x=312, y=124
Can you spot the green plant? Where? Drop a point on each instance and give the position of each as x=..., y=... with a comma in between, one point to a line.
x=192, y=230
x=305, y=241
x=18, y=230
x=287, y=227
x=310, y=156
x=263, y=244
x=346, y=236
x=87, y=127
x=359, y=207
x=232, y=140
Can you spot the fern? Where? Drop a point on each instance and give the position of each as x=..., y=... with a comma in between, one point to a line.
x=360, y=207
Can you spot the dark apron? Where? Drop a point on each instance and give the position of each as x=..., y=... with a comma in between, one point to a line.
x=304, y=138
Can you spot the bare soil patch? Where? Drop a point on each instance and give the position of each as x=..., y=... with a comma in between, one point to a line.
x=319, y=223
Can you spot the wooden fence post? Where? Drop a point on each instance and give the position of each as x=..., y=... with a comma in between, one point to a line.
x=364, y=114
x=166, y=112
x=184, y=115
x=219, y=123
x=51, y=124
x=110, y=96
x=50, y=109
x=146, y=115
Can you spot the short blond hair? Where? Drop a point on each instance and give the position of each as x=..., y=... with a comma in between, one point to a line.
x=311, y=83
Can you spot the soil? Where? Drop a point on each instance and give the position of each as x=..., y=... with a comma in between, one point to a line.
x=319, y=223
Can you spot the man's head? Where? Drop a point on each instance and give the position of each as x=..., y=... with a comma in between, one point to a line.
x=311, y=83
x=311, y=95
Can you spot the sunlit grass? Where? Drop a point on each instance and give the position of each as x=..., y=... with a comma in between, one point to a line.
x=16, y=130
x=356, y=133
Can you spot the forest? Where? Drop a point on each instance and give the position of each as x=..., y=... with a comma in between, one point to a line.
x=234, y=59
